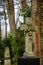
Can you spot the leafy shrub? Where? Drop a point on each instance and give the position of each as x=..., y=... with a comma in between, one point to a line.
x=26, y=12
x=16, y=45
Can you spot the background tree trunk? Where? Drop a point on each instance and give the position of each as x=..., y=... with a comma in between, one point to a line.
x=23, y=3
x=10, y=10
x=0, y=29
x=36, y=21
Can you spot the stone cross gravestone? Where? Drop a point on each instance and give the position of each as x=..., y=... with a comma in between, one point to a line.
x=28, y=40
x=7, y=60
x=28, y=28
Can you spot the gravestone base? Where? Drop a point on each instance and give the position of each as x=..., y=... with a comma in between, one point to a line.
x=7, y=62
x=28, y=54
x=28, y=60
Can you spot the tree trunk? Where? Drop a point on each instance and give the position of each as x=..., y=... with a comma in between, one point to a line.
x=0, y=29
x=10, y=10
x=23, y=3
x=36, y=21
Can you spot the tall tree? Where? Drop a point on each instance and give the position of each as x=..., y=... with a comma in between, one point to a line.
x=24, y=5
x=10, y=10
x=36, y=21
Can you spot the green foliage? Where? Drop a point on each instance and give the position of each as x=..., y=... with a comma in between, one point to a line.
x=41, y=1
x=1, y=50
x=26, y=12
x=41, y=33
x=41, y=30
x=6, y=42
x=16, y=45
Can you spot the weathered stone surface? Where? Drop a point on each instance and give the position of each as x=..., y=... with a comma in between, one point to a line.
x=7, y=52
x=24, y=27
x=28, y=46
x=28, y=39
x=7, y=60
x=28, y=20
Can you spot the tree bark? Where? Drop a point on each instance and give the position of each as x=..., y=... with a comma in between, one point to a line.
x=0, y=29
x=36, y=21
x=10, y=10
x=23, y=3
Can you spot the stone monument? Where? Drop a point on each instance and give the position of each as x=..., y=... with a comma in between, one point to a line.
x=29, y=57
x=7, y=60
x=28, y=29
